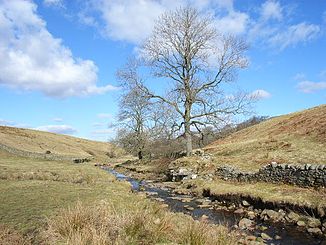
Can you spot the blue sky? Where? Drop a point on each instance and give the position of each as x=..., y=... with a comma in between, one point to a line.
x=58, y=58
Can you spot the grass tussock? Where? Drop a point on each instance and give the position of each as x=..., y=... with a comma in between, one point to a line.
x=9, y=236
x=201, y=233
x=104, y=224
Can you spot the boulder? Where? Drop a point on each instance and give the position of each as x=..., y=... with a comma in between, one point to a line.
x=313, y=223
x=181, y=174
x=315, y=231
x=293, y=217
x=245, y=223
x=272, y=214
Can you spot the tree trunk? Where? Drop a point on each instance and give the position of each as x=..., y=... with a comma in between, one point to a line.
x=140, y=155
x=188, y=139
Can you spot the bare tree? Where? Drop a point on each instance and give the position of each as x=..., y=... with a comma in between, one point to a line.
x=141, y=120
x=186, y=48
x=134, y=111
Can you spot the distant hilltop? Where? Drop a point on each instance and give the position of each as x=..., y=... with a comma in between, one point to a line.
x=39, y=144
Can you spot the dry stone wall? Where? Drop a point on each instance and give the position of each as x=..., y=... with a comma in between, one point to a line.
x=308, y=175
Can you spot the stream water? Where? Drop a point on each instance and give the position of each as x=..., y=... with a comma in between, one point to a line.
x=287, y=234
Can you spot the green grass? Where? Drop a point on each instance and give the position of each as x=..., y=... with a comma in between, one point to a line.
x=277, y=193
x=30, y=189
x=63, y=203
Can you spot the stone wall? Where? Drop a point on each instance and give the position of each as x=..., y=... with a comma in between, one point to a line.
x=308, y=175
x=47, y=155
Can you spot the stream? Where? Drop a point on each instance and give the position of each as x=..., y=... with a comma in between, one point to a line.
x=286, y=234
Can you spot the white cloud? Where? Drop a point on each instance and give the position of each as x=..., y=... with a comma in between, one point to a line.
x=54, y=3
x=4, y=122
x=59, y=129
x=130, y=20
x=311, y=87
x=271, y=10
x=273, y=28
x=105, y=115
x=260, y=94
x=133, y=20
x=32, y=59
x=233, y=23
x=295, y=34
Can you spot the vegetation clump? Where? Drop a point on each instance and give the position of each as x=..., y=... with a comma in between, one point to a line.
x=104, y=223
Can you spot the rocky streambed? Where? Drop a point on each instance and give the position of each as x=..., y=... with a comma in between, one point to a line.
x=257, y=224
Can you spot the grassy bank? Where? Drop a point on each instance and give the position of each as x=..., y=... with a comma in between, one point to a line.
x=63, y=203
x=268, y=192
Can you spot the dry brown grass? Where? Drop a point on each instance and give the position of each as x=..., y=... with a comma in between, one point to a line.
x=294, y=138
x=201, y=233
x=269, y=192
x=39, y=142
x=9, y=236
x=104, y=224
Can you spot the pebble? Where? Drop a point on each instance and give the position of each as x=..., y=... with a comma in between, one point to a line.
x=239, y=211
x=315, y=231
x=204, y=206
x=301, y=223
x=263, y=228
x=277, y=237
x=245, y=223
x=204, y=217
x=265, y=236
x=245, y=203
x=189, y=208
x=251, y=215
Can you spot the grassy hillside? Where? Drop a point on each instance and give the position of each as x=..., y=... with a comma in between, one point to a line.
x=57, y=202
x=294, y=138
x=39, y=142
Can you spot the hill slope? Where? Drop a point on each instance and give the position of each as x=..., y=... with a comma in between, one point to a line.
x=298, y=137
x=37, y=143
